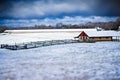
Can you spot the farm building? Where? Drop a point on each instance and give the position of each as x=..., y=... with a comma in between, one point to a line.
x=98, y=36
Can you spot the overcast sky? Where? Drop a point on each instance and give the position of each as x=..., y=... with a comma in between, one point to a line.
x=24, y=12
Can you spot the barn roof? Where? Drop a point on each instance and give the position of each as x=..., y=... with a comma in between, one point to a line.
x=102, y=33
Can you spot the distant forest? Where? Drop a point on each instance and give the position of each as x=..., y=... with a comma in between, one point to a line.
x=113, y=25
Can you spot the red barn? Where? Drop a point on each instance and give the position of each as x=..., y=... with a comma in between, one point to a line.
x=98, y=35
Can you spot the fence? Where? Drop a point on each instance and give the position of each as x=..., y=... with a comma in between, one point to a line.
x=37, y=44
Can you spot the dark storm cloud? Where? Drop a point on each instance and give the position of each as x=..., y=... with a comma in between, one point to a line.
x=46, y=8
x=5, y=8
x=107, y=7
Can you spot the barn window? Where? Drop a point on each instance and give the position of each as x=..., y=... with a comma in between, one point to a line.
x=85, y=37
x=91, y=38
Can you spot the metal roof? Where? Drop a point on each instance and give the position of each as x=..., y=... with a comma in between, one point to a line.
x=102, y=33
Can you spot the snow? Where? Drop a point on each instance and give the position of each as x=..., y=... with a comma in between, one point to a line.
x=23, y=36
x=102, y=33
x=32, y=37
x=78, y=61
x=12, y=37
x=48, y=30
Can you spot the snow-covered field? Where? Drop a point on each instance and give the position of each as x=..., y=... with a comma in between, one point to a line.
x=21, y=36
x=78, y=61
x=32, y=37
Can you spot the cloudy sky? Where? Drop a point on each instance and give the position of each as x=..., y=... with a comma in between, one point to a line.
x=33, y=12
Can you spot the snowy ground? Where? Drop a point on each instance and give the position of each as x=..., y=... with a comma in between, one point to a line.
x=78, y=61
x=31, y=37
x=22, y=36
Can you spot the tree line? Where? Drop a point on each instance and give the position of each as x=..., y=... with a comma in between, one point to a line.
x=113, y=25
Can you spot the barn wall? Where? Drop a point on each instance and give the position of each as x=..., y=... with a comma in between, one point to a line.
x=102, y=38
x=84, y=38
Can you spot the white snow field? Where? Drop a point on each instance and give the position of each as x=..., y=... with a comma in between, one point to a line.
x=78, y=61
x=32, y=37
x=22, y=36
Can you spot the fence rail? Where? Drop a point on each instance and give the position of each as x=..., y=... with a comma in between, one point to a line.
x=37, y=44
